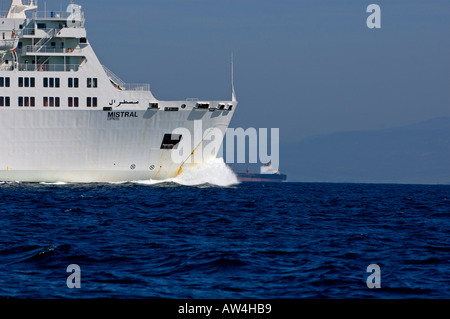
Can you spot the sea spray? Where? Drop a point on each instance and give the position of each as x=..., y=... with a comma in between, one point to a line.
x=214, y=172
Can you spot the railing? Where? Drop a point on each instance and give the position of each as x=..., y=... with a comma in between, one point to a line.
x=121, y=85
x=113, y=77
x=54, y=15
x=47, y=49
x=57, y=15
x=50, y=67
x=135, y=87
x=33, y=31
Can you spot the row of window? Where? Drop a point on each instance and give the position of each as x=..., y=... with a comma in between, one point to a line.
x=74, y=102
x=74, y=83
x=51, y=83
x=27, y=101
x=51, y=101
x=5, y=101
x=29, y=82
x=5, y=82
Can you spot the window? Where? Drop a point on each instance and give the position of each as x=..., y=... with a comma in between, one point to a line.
x=73, y=102
x=51, y=82
x=92, y=82
x=26, y=82
x=73, y=83
x=4, y=82
x=51, y=101
x=5, y=101
x=91, y=102
x=26, y=101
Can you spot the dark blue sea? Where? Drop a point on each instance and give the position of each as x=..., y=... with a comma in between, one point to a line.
x=273, y=241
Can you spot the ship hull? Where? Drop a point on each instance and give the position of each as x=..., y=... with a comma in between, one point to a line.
x=84, y=146
x=259, y=178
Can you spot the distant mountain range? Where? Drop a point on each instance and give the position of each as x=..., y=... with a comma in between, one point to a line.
x=413, y=154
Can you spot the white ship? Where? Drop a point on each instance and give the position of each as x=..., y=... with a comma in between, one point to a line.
x=64, y=117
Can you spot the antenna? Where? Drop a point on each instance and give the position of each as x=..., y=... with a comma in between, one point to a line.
x=233, y=93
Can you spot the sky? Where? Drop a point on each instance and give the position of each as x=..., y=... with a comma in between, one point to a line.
x=305, y=66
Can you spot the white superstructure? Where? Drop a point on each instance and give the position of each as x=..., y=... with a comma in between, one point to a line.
x=65, y=117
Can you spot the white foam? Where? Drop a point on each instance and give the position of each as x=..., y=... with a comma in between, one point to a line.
x=155, y=182
x=116, y=183
x=215, y=172
x=57, y=183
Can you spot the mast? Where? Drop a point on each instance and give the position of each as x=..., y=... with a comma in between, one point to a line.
x=233, y=93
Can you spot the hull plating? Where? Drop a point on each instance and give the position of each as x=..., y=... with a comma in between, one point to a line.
x=93, y=146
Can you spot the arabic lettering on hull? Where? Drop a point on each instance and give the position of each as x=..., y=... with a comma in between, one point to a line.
x=124, y=102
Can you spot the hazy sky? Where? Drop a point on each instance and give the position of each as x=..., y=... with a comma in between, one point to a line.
x=304, y=66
